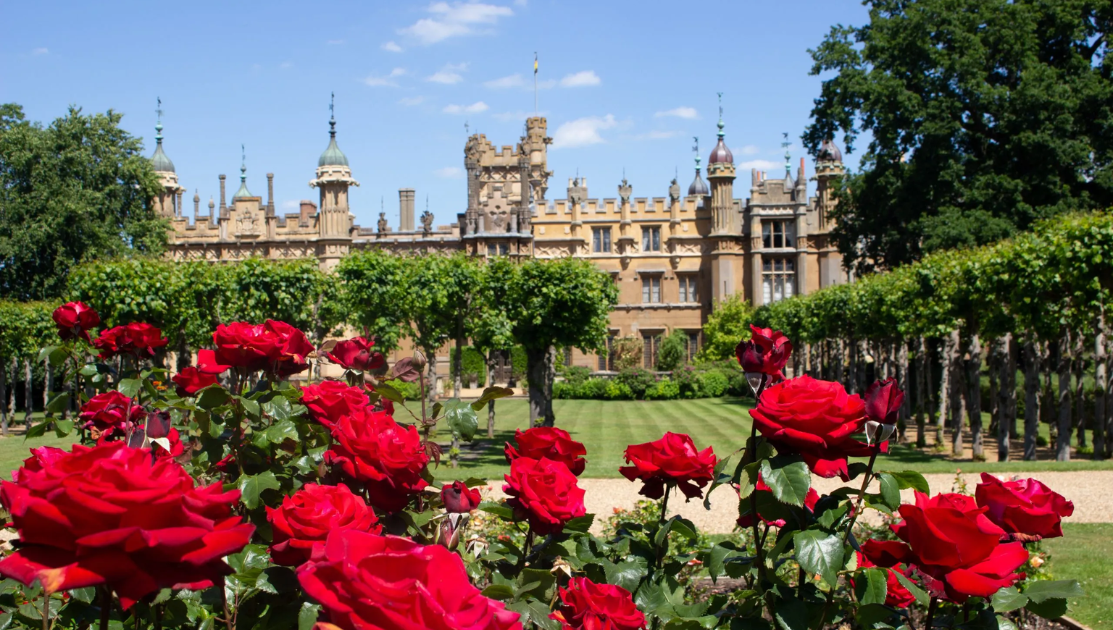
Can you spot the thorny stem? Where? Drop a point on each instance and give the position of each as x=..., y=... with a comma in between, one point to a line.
x=660, y=521
x=751, y=456
x=46, y=611
x=105, y=607
x=158, y=616
x=227, y=616
x=861, y=495
x=931, y=613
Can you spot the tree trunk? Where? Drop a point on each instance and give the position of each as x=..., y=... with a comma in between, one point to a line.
x=491, y=404
x=1004, y=387
x=48, y=385
x=852, y=366
x=993, y=369
x=11, y=390
x=1100, y=385
x=540, y=364
x=944, y=391
x=431, y=395
x=954, y=364
x=458, y=356
x=921, y=391
x=1031, y=395
x=28, y=393
x=1108, y=400
x=1010, y=410
x=840, y=360
x=862, y=368
x=974, y=395
x=902, y=378
x=3, y=398
x=1079, y=392
x=1062, y=450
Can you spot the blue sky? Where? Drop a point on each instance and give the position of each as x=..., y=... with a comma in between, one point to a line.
x=624, y=85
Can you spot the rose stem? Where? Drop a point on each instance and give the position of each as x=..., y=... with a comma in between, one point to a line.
x=46, y=611
x=105, y=607
x=861, y=495
x=227, y=615
x=661, y=518
x=158, y=616
x=931, y=613
x=751, y=454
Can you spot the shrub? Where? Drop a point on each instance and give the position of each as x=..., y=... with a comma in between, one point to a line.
x=574, y=374
x=411, y=391
x=663, y=390
x=672, y=351
x=637, y=379
x=627, y=353
x=518, y=363
x=713, y=383
x=687, y=381
x=473, y=365
x=618, y=391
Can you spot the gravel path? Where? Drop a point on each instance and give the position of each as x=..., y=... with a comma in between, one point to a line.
x=1091, y=492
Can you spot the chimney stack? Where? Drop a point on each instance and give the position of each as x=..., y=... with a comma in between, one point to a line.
x=178, y=205
x=270, y=194
x=307, y=209
x=223, y=205
x=406, y=209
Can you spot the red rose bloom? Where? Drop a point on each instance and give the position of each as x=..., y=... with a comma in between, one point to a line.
x=883, y=400
x=275, y=347
x=75, y=319
x=458, y=498
x=673, y=459
x=356, y=354
x=137, y=339
x=41, y=457
x=766, y=352
x=586, y=605
x=1025, y=509
x=545, y=493
x=896, y=595
x=957, y=549
x=112, y=515
x=549, y=442
x=207, y=363
x=111, y=411
x=192, y=380
x=746, y=520
x=367, y=582
x=815, y=419
x=389, y=459
x=303, y=521
x=177, y=449
x=328, y=401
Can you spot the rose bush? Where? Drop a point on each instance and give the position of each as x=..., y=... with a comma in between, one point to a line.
x=590, y=606
x=545, y=493
x=670, y=461
x=458, y=498
x=328, y=401
x=274, y=347
x=1026, y=509
x=307, y=517
x=357, y=354
x=111, y=412
x=766, y=353
x=136, y=339
x=387, y=458
x=549, y=442
x=75, y=320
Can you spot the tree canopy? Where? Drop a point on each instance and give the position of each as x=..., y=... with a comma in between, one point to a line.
x=983, y=117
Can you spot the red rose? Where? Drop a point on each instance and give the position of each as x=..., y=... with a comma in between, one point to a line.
x=293, y=348
x=883, y=401
x=545, y=493
x=177, y=449
x=896, y=595
x=1026, y=509
x=956, y=548
x=75, y=319
x=113, y=515
x=586, y=605
x=389, y=459
x=366, y=582
x=458, y=498
x=766, y=352
x=303, y=521
x=111, y=411
x=41, y=457
x=192, y=380
x=886, y=553
x=275, y=347
x=328, y=401
x=549, y=442
x=746, y=520
x=815, y=419
x=207, y=363
x=356, y=354
x=673, y=459
x=137, y=339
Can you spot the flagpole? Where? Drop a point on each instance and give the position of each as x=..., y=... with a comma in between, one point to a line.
x=535, y=110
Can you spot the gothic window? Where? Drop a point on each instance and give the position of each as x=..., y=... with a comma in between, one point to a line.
x=778, y=279
x=651, y=289
x=498, y=249
x=688, y=291
x=778, y=233
x=651, y=239
x=650, y=341
x=601, y=240
x=693, y=345
x=606, y=358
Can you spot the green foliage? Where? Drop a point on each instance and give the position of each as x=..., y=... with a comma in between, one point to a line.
x=728, y=323
x=664, y=389
x=627, y=352
x=637, y=379
x=564, y=303
x=713, y=383
x=473, y=363
x=25, y=328
x=77, y=190
x=672, y=351
x=373, y=289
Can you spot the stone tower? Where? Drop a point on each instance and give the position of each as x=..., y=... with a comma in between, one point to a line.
x=725, y=234
x=828, y=170
x=168, y=202
x=334, y=221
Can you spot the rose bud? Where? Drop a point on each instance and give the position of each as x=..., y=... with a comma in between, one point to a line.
x=458, y=498
x=883, y=401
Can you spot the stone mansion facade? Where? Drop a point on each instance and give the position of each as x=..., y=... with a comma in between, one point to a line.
x=672, y=257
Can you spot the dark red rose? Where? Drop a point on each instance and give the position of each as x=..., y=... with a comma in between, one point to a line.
x=75, y=319
x=1026, y=509
x=275, y=347
x=136, y=339
x=114, y=515
x=389, y=459
x=293, y=347
x=192, y=380
x=328, y=401
x=746, y=520
x=545, y=493
x=365, y=582
x=356, y=354
x=111, y=411
x=956, y=548
x=896, y=595
x=586, y=605
x=673, y=459
x=883, y=401
x=177, y=449
x=766, y=352
x=207, y=363
x=815, y=419
x=549, y=442
x=886, y=553
x=303, y=521
x=458, y=498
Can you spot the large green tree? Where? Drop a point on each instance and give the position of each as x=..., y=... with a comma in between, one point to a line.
x=982, y=116
x=77, y=190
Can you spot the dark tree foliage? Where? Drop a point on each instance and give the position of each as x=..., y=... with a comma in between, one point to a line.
x=983, y=116
x=77, y=190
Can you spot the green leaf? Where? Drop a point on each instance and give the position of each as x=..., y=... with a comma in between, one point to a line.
x=626, y=574
x=1052, y=608
x=489, y=394
x=1058, y=589
x=250, y=407
x=580, y=524
x=498, y=510
x=129, y=387
x=791, y=614
x=719, y=477
x=535, y=583
x=281, y=431
x=910, y=479
x=307, y=616
x=62, y=428
x=684, y=527
x=917, y=592
x=788, y=479
x=874, y=587
x=38, y=430
x=212, y=397
x=501, y=592
x=716, y=558
x=462, y=419
x=59, y=403
x=890, y=491
x=391, y=394
x=869, y=614
x=251, y=486
x=279, y=408
x=1008, y=599
x=819, y=553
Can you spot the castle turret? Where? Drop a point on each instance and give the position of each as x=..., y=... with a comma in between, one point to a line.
x=334, y=177
x=724, y=224
x=167, y=203
x=828, y=170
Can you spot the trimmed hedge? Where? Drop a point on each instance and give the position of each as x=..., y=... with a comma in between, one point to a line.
x=705, y=381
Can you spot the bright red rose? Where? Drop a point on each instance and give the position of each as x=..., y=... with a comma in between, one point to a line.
x=388, y=458
x=550, y=442
x=328, y=401
x=1026, y=509
x=75, y=319
x=111, y=411
x=673, y=459
x=356, y=354
x=275, y=347
x=192, y=380
x=766, y=352
x=207, y=363
x=137, y=339
x=815, y=419
x=41, y=457
x=956, y=548
x=746, y=520
x=303, y=521
x=586, y=605
x=293, y=347
x=545, y=493
x=114, y=515
x=896, y=595
x=458, y=498
x=367, y=582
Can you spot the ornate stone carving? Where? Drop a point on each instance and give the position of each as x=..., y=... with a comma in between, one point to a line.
x=382, y=224
x=426, y=223
x=246, y=224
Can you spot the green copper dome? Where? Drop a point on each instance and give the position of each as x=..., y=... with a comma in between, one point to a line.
x=243, y=191
x=332, y=156
x=160, y=161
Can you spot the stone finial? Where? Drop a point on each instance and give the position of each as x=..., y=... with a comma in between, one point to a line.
x=674, y=191
x=624, y=191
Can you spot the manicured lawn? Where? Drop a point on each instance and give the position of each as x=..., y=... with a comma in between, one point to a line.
x=14, y=449
x=1083, y=554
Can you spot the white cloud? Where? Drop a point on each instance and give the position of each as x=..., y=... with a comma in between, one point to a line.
x=449, y=172
x=474, y=108
x=546, y=85
x=391, y=47
x=455, y=20
x=656, y=135
x=750, y=149
x=40, y=51
x=385, y=81
x=761, y=165
x=519, y=116
x=520, y=3
x=410, y=101
x=335, y=42
x=581, y=132
x=514, y=80
x=581, y=79
x=449, y=74
x=679, y=112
